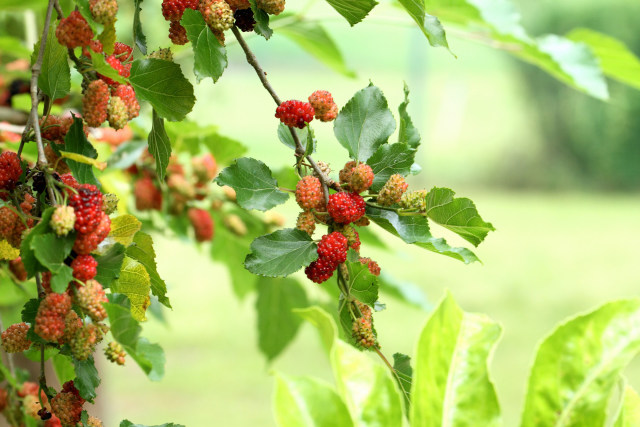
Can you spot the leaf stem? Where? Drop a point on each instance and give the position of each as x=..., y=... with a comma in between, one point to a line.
x=393, y=371
x=300, y=151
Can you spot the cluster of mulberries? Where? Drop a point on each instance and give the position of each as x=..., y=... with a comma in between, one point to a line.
x=299, y=113
x=187, y=186
x=332, y=251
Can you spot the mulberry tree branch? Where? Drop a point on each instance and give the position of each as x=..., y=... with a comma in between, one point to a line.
x=253, y=61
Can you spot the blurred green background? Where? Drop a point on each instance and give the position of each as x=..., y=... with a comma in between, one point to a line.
x=555, y=171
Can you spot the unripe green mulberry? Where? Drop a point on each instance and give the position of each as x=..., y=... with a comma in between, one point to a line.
x=306, y=222
x=63, y=220
x=115, y=353
x=103, y=11
x=117, y=113
x=163, y=54
x=90, y=298
x=109, y=203
x=84, y=342
x=414, y=200
x=217, y=14
x=235, y=224
x=272, y=7
x=392, y=191
x=362, y=328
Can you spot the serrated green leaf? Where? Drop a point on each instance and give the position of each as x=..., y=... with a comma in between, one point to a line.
x=362, y=284
x=159, y=145
x=451, y=384
x=457, y=214
x=150, y=357
x=163, y=85
x=591, y=351
x=390, y=159
x=277, y=324
x=27, y=254
x=142, y=251
x=353, y=11
x=134, y=282
x=124, y=328
x=284, y=135
x=75, y=141
x=364, y=123
x=30, y=310
x=254, y=185
x=616, y=59
x=63, y=366
x=428, y=24
x=85, y=11
x=306, y=401
x=262, y=21
x=281, y=253
x=108, y=38
x=138, y=35
x=100, y=64
x=408, y=132
x=404, y=376
x=87, y=378
x=51, y=251
x=415, y=230
x=629, y=415
x=209, y=56
x=315, y=40
x=124, y=228
x=109, y=265
x=55, y=77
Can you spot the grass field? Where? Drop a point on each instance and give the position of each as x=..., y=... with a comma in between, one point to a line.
x=553, y=256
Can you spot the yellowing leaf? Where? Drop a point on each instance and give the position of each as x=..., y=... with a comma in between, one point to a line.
x=83, y=159
x=7, y=251
x=123, y=228
x=135, y=283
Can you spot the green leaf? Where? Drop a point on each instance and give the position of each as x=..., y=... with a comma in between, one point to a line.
x=404, y=376
x=138, y=35
x=281, y=253
x=277, y=325
x=306, y=401
x=590, y=351
x=134, y=282
x=209, y=56
x=457, y=214
x=629, y=415
x=124, y=328
x=163, y=85
x=109, y=265
x=616, y=59
x=127, y=423
x=451, y=384
x=75, y=141
x=63, y=366
x=101, y=65
x=262, y=21
x=51, y=251
x=284, y=135
x=390, y=159
x=55, y=77
x=415, y=230
x=142, y=251
x=408, y=132
x=159, y=145
x=27, y=254
x=366, y=387
x=87, y=378
x=315, y=40
x=430, y=25
x=324, y=323
x=353, y=11
x=362, y=284
x=108, y=38
x=255, y=186
x=150, y=357
x=364, y=123
x=124, y=229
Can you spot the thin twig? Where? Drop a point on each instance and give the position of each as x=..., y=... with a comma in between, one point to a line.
x=300, y=151
x=393, y=370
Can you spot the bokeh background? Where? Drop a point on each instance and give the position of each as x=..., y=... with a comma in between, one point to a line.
x=555, y=171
